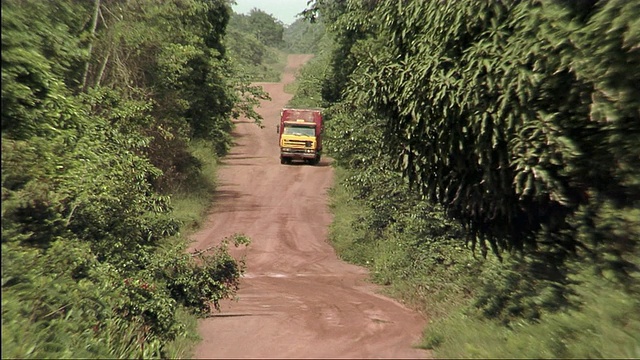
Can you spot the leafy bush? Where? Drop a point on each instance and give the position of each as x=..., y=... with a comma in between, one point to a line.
x=512, y=124
x=94, y=99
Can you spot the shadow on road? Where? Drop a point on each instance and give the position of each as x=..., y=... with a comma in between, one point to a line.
x=302, y=163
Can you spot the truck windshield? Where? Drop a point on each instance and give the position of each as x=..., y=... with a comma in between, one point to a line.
x=300, y=130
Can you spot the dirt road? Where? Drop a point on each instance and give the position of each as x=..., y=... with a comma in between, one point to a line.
x=297, y=299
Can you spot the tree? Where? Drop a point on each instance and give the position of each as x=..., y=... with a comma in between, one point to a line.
x=267, y=29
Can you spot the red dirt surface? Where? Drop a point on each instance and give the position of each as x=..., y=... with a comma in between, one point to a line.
x=297, y=299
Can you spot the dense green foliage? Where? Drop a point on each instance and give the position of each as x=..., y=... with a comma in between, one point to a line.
x=263, y=26
x=254, y=42
x=515, y=113
x=307, y=87
x=507, y=126
x=303, y=37
x=510, y=126
x=100, y=103
x=257, y=43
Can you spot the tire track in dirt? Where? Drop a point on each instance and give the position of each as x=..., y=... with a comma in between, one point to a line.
x=297, y=299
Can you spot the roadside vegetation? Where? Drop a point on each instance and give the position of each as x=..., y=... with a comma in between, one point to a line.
x=486, y=155
x=487, y=167
x=258, y=43
x=114, y=115
x=256, y=46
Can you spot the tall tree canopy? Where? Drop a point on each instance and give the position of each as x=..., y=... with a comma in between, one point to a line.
x=263, y=26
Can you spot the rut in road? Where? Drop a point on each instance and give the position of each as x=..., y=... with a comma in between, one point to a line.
x=297, y=299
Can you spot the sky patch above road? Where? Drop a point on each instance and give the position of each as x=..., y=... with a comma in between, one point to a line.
x=284, y=10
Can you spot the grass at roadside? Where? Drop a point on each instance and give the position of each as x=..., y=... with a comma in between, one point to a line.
x=190, y=206
x=194, y=199
x=344, y=236
x=445, y=283
x=606, y=326
x=273, y=68
x=306, y=89
x=182, y=347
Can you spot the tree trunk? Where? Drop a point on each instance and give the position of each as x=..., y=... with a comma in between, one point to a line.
x=93, y=33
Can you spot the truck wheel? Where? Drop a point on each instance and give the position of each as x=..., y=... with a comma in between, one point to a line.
x=315, y=161
x=283, y=161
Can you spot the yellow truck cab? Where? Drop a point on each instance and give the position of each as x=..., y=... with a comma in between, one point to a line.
x=300, y=135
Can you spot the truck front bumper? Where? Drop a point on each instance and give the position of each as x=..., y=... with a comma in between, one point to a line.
x=297, y=154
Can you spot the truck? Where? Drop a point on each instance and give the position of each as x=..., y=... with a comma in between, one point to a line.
x=300, y=135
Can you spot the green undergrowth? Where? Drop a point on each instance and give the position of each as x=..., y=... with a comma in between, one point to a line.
x=273, y=67
x=606, y=325
x=183, y=346
x=306, y=89
x=270, y=68
x=190, y=204
x=481, y=307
